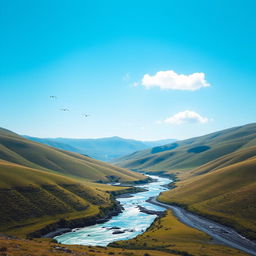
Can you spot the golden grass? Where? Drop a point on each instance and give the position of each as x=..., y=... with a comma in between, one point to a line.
x=16, y=149
x=180, y=157
x=226, y=194
x=44, y=247
x=40, y=185
x=30, y=199
x=169, y=234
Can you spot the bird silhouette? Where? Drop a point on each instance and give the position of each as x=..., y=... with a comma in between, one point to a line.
x=53, y=97
x=85, y=115
x=64, y=109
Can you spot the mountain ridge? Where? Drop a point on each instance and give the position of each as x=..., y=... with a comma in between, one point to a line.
x=104, y=149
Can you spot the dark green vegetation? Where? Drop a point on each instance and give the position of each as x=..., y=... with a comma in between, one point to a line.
x=40, y=185
x=216, y=175
x=104, y=149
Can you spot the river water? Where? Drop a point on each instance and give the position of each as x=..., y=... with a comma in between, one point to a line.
x=131, y=220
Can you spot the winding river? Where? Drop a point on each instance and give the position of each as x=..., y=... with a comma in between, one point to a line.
x=126, y=225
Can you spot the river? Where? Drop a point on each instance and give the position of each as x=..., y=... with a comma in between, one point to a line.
x=131, y=221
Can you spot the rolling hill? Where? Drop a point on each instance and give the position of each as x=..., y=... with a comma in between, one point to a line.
x=32, y=199
x=191, y=153
x=41, y=186
x=216, y=175
x=223, y=189
x=18, y=150
x=104, y=149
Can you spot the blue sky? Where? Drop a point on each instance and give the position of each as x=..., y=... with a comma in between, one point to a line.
x=91, y=53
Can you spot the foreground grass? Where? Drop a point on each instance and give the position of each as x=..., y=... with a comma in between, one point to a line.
x=167, y=234
x=44, y=247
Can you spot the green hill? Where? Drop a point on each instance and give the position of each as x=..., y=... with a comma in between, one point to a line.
x=16, y=149
x=30, y=199
x=216, y=175
x=191, y=153
x=223, y=189
x=40, y=186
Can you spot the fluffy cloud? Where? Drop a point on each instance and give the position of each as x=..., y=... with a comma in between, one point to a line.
x=186, y=116
x=169, y=80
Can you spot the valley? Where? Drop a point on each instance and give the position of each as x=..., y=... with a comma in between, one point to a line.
x=217, y=180
x=45, y=191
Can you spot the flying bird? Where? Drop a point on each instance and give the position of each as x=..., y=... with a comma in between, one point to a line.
x=64, y=109
x=53, y=97
x=85, y=115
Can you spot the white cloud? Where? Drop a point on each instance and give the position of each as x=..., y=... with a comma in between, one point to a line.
x=135, y=84
x=186, y=116
x=169, y=80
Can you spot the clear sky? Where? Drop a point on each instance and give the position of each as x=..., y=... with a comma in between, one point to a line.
x=141, y=69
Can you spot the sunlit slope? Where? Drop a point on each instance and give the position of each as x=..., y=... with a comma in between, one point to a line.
x=170, y=235
x=193, y=152
x=30, y=197
x=16, y=149
x=227, y=160
x=226, y=194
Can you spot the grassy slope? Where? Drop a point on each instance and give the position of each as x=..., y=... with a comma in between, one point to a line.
x=30, y=198
x=223, y=189
x=44, y=247
x=169, y=235
x=16, y=149
x=219, y=182
x=177, y=156
x=40, y=185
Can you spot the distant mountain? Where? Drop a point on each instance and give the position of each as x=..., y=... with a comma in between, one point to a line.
x=104, y=149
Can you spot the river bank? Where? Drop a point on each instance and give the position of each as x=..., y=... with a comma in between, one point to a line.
x=138, y=208
x=63, y=225
x=131, y=221
x=220, y=233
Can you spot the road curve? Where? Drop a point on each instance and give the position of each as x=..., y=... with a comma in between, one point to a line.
x=220, y=233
